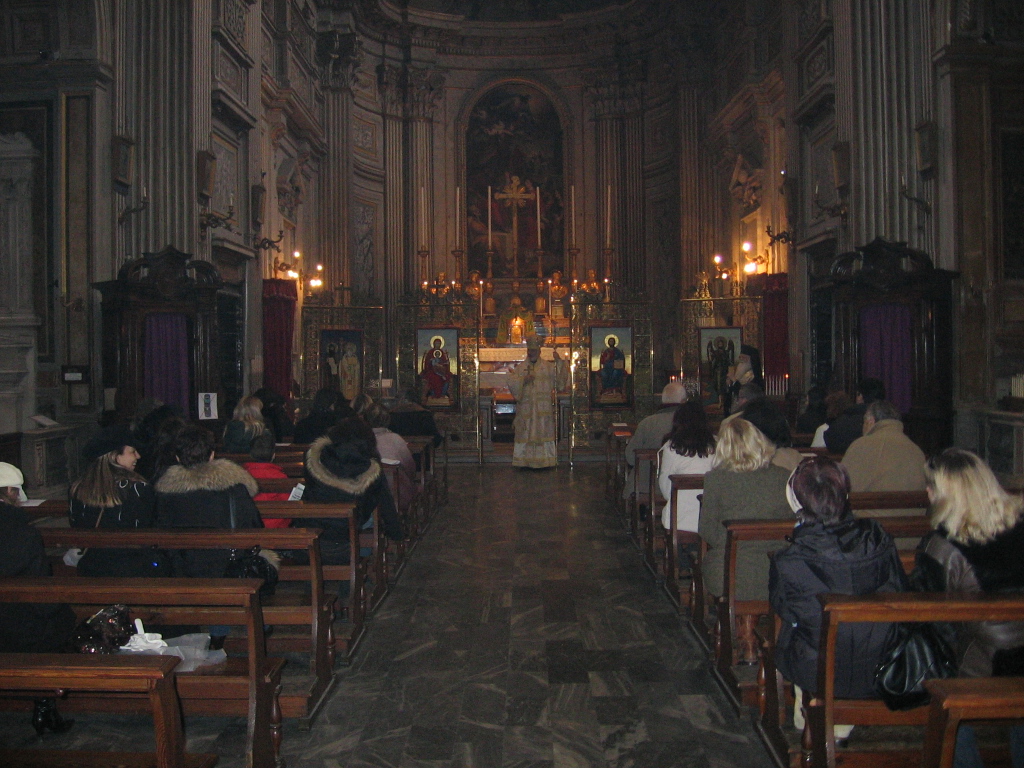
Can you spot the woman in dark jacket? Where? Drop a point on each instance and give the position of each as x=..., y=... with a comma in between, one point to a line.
x=976, y=546
x=831, y=551
x=110, y=494
x=344, y=466
x=203, y=492
x=328, y=408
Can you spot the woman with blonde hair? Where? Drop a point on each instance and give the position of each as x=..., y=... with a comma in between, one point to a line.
x=246, y=423
x=976, y=547
x=743, y=485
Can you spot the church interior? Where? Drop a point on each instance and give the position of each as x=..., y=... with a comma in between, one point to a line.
x=396, y=198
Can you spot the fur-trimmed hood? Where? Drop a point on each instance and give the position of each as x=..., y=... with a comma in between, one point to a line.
x=335, y=467
x=215, y=475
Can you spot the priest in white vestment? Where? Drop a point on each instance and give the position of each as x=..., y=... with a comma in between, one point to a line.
x=534, y=384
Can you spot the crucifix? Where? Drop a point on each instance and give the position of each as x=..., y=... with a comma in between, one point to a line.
x=515, y=197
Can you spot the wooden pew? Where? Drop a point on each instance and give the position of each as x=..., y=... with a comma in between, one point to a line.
x=427, y=478
x=241, y=686
x=674, y=539
x=149, y=678
x=824, y=711
x=729, y=608
x=615, y=461
x=639, y=528
x=960, y=699
x=313, y=612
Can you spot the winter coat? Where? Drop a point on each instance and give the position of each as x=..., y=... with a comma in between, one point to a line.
x=989, y=647
x=845, y=428
x=28, y=627
x=236, y=438
x=313, y=426
x=414, y=421
x=885, y=459
x=649, y=435
x=200, y=497
x=758, y=495
x=853, y=557
x=136, y=510
x=341, y=473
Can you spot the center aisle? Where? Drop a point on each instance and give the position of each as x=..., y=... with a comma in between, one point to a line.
x=525, y=632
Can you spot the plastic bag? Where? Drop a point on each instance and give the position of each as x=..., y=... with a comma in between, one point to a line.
x=193, y=650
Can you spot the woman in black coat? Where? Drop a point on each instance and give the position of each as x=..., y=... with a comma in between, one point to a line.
x=831, y=551
x=344, y=466
x=203, y=492
x=111, y=494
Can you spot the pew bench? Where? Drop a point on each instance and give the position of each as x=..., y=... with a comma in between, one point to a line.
x=966, y=699
x=242, y=686
x=824, y=710
x=149, y=678
x=674, y=540
x=645, y=460
x=303, y=618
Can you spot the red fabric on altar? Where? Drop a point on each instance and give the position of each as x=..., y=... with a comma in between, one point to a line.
x=279, y=300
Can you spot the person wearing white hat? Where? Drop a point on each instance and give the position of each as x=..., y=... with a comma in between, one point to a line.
x=11, y=484
x=534, y=383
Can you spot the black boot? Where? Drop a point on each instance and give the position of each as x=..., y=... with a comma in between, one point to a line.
x=45, y=717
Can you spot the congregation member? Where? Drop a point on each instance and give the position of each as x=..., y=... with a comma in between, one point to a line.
x=261, y=466
x=689, y=449
x=275, y=413
x=885, y=459
x=847, y=427
x=744, y=484
x=976, y=547
x=202, y=491
x=344, y=466
x=28, y=627
x=393, y=448
x=112, y=494
x=327, y=408
x=246, y=424
x=831, y=551
x=814, y=414
x=650, y=434
x=769, y=418
x=836, y=404
x=410, y=419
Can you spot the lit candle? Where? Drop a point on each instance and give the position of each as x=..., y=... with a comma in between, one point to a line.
x=145, y=193
x=572, y=213
x=550, y=313
x=608, y=218
x=481, y=301
x=489, y=247
x=539, y=246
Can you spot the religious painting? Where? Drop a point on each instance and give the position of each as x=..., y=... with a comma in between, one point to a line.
x=341, y=361
x=611, y=366
x=514, y=183
x=719, y=348
x=437, y=359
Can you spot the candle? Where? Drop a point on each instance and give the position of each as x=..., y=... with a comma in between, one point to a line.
x=539, y=246
x=458, y=195
x=145, y=193
x=608, y=218
x=549, y=299
x=572, y=213
x=489, y=247
x=481, y=301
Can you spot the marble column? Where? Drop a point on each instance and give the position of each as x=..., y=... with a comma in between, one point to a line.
x=18, y=321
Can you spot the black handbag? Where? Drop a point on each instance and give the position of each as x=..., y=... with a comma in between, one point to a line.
x=105, y=631
x=915, y=652
x=252, y=563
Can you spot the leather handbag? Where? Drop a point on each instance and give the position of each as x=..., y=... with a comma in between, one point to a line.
x=253, y=562
x=915, y=652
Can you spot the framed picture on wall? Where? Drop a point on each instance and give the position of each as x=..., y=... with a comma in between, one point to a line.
x=719, y=348
x=341, y=361
x=611, y=366
x=437, y=360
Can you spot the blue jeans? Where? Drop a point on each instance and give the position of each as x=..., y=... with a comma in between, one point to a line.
x=967, y=754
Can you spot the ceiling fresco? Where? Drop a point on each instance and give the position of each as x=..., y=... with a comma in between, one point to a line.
x=511, y=10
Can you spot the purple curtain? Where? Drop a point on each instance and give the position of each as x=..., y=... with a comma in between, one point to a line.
x=887, y=350
x=166, y=359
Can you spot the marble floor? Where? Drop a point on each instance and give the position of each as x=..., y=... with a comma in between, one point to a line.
x=524, y=633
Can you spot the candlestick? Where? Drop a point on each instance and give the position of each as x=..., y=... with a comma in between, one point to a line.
x=539, y=246
x=608, y=218
x=489, y=246
x=572, y=212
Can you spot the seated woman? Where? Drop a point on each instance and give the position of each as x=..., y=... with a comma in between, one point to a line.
x=393, y=448
x=743, y=485
x=111, y=494
x=276, y=413
x=976, y=546
x=689, y=449
x=831, y=551
x=344, y=465
x=769, y=418
x=327, y=409
x=246, y=423
x=201, y=491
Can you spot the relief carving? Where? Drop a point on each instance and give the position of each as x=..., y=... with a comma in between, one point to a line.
x=745, y=185
x=166, y=274
x=340, y=58
x=232, y=18
x=425, y=87
x=291, y=184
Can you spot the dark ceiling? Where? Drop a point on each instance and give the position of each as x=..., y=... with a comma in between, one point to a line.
x=511, y=10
